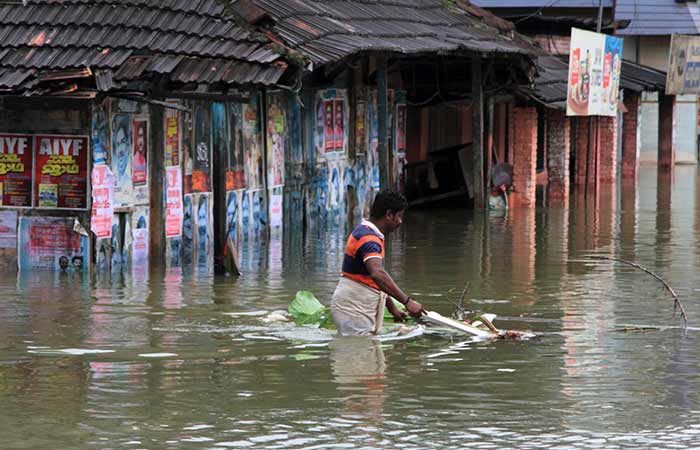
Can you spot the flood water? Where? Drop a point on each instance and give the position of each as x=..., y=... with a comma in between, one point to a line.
x=186, y=361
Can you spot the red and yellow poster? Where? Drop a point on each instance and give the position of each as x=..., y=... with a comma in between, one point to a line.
x=339, y=121
x=172, y=138
x=329, y=128
x=139, y=164
x=61, y=171
x=15, y=170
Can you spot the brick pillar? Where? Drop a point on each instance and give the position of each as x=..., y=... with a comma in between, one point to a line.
x=667, y=110
x=607, y=153
x=581, y=130
x=630, y=135
x=524, y=146
x=559, y=151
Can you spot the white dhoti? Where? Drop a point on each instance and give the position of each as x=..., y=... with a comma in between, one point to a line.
x=357, y=309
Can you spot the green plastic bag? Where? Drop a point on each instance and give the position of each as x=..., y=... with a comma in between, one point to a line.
x=305, y=309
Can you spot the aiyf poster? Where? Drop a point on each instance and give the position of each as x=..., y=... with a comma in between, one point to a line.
x=61, y=171
x=15, y=170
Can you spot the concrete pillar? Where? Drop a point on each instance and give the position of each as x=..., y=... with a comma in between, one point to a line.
x=524, y=147
x=631, y=139
x=559, y=152
x=607, y=150
x=667, y=109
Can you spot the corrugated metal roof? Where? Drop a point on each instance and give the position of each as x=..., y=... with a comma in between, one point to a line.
x=541, y=3
x=328, y=30
x=658, y=17
x=133, y=39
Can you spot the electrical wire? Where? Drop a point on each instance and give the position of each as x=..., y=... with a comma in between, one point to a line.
x=539, y=10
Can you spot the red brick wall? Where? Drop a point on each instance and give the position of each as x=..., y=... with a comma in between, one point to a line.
x=559, y=152
x=581, y=149
x=523, y=123
x=630, y=136
x=607, y=168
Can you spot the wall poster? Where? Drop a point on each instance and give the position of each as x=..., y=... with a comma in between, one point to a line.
x=51, y=243
x=16, y=166
x=235, y=162
x=276, y=140
x=252, y=145
x=173, y=202
x=201, y=170
x=61, y=171
x=172, y=137
x=102, y=201
x=139, y=162
x=8, y=229
x=122, y=142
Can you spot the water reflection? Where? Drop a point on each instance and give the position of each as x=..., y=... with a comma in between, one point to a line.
x=192, y=362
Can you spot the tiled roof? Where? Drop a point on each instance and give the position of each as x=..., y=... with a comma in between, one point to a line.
x=188, y=40
x=658, y=17
x=329, y=30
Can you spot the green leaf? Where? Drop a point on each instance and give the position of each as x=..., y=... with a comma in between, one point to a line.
x=305, y=309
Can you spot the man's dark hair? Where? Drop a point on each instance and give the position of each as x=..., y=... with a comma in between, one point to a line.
x=387, y=200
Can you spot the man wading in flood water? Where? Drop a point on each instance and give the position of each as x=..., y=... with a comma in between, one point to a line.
x=358, y=302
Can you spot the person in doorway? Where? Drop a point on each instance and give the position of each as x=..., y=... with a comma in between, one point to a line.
x=77, y=263
x=357, y=305
x=63, y=263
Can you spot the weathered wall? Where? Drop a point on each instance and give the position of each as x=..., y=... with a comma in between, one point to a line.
x=524, y=150
x=559, y=152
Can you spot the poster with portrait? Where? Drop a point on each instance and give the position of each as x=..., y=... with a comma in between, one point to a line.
x=232, y=215
x=203, y=232
x=173, y=202
x=235, y=162
x=276, y=130
x=102, y=201
x=61, y=171
x=252, y=145
x=172, y=137
x=201, y=170
x=122, y=142
x=16, y=155
x=139, y=164
x=187, y=153
x=51, y=243
x=100, y=133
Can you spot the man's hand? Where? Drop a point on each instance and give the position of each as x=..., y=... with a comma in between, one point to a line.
x=414, y=308
x=399, y=315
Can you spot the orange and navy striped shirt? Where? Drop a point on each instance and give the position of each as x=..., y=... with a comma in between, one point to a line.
x=365, y=242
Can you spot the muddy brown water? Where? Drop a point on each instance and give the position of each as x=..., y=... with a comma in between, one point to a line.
x=186, y=362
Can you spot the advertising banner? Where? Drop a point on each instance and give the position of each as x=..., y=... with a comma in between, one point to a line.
x=51, y=243
x=595, y=62
x=61, y=171
x=139, y=245
x=683, y=75
x=276, y=210
x=102, y=201
x=173, y=202
x=16, y=169
x=8, y=229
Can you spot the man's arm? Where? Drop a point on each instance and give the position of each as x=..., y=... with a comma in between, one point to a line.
x=375, y=267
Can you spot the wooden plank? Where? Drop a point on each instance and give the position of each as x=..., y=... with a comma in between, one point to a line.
x=478, y=134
